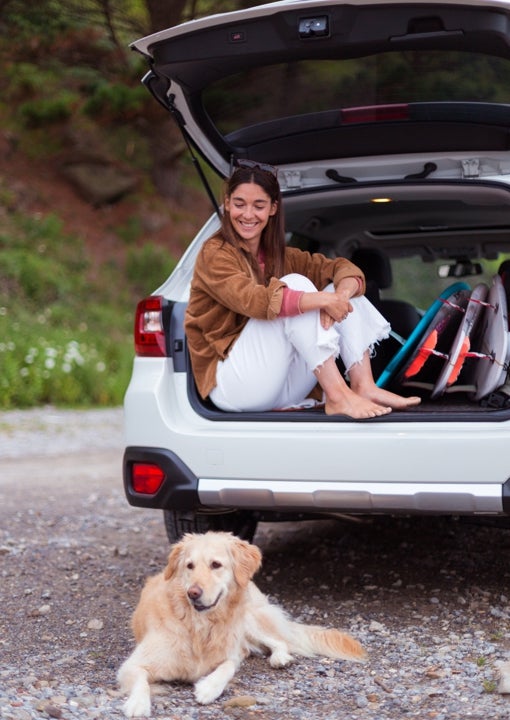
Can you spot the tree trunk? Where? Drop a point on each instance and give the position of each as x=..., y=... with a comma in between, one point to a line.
x=167, y=147
x=166, y=142
x=165, y=13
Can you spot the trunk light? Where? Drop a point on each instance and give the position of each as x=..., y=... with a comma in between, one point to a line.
x=150, y=338
x=375, y=113
x=146, y=478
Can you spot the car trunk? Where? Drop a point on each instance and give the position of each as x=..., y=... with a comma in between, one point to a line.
x=425, y=239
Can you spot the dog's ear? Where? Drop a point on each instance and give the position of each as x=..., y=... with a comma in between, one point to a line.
x=173, y=561
x=247, y=560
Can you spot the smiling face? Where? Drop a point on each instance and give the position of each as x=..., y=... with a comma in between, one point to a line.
x=212, y=567
x=250, y=208
x=206, y=575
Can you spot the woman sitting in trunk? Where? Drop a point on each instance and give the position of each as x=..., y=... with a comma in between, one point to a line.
x=266, y=322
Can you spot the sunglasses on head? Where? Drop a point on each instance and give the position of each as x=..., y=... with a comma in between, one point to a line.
x=253, y=165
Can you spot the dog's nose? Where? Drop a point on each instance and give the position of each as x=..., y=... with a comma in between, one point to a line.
x=195, y=592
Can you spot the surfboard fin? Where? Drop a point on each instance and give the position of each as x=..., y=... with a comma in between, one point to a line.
x=460, y=361
x=426, y=350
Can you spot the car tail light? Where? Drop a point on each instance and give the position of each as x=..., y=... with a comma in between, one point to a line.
x=150, y=338
x=146, y=478
x=375, y=113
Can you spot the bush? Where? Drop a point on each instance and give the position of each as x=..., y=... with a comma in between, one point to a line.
x=148, y=267
x=115, y=101
x=60, y=366
x=63, y=339
x=46, y=111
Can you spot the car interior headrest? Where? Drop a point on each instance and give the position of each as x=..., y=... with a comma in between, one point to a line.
x=376, y=266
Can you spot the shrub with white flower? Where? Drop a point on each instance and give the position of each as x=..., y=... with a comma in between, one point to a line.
x=60, y=371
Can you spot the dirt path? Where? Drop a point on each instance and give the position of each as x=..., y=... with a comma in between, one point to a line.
x=427, y=598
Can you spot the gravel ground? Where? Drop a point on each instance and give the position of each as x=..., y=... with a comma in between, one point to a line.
x=428, y=598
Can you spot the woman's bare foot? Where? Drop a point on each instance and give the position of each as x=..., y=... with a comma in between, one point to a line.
x=387, y=398
x=354, y=406
x=362, y=383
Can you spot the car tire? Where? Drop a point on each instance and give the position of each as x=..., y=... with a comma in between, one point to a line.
x=177, y=523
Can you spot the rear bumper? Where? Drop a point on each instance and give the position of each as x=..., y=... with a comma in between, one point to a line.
x=182, y=490
x=384, y=497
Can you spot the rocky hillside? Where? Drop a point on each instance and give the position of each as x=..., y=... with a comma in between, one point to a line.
x=78, y=139
x=38, y=186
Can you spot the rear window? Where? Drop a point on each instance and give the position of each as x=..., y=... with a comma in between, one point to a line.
x=304, y=87
x=421, y=283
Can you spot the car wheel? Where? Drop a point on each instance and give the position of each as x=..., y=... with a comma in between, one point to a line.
x=177, y=523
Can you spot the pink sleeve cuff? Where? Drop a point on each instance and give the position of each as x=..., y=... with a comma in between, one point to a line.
x=290, y=303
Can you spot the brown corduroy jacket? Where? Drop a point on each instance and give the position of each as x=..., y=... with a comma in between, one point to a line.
x=225, y=294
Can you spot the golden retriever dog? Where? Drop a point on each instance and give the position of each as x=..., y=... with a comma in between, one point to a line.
x=198, y=619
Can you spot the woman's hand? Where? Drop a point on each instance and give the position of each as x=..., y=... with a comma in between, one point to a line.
x=340, y=306
x=336, y=308
x=333, y=306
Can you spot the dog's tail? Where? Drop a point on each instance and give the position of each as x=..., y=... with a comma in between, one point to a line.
x=310, y=640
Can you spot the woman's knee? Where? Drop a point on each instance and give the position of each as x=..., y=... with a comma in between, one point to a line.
x=295, y=281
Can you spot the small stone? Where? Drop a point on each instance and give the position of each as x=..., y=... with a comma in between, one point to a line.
x=241, y=701
x=361, y=701
x=42, y=610
x=95, y=624
x=54, y=711
x=504, y=676
x=376, y=626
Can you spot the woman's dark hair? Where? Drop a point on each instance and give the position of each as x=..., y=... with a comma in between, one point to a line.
x=273, y=235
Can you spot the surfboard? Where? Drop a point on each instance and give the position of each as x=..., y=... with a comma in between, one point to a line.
x=491, y=360
x=462, y=342
x=414, y=339
x=425, y=363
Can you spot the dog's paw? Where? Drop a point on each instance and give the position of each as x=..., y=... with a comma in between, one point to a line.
x=206, y=691
x=137, y=706
x=280, y=658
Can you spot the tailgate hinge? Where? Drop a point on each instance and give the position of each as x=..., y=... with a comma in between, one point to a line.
x=471, y=168
x=291, y=178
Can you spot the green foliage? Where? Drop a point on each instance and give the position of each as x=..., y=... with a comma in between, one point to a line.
x=66, y=329
x=65, y=367
x=26, y=79
x=489, y=686
x=44, y=18
x=46, y=111
x=130, y=231
x=64, y=339
x=115, y=100
x=147, y=267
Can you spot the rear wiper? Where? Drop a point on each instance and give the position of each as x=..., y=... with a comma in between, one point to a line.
x=334, y=175
x=428, y=168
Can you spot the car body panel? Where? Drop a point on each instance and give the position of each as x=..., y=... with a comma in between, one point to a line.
x=224, y=454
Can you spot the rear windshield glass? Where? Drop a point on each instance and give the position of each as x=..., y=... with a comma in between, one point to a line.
x=298, y=88
x=421, y=283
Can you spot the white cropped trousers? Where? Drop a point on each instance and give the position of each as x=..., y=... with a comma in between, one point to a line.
x=271, y=365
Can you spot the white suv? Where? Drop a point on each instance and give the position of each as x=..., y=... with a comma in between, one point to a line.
x=389, y=123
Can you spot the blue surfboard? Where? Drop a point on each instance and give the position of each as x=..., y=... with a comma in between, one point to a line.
x=417, y=335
